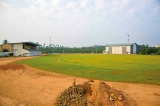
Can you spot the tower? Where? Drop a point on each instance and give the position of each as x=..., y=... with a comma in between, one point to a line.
x=128, y=38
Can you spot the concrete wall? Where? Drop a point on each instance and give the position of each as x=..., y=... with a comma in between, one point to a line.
x=118, y=50
x=107, y=50
x=18, y=50
x=115, y=50
x=6, y=46
x=128, y=49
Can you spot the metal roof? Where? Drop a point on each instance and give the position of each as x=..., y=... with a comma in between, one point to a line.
x=122, y=44
x=31, y=43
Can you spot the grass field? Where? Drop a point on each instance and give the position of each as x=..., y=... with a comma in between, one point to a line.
x=119, y=68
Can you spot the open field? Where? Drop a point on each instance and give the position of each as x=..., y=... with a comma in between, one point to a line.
x=28, y=86
x=118, y=68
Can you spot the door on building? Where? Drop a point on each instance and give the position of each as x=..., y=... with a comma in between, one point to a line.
x=15, y=52
x=110, y=50
x=124, y=50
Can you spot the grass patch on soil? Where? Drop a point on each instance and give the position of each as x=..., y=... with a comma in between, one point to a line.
x=120, y=68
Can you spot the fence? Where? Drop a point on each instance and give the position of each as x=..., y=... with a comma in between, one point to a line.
x=2, y=54
x=34, y=53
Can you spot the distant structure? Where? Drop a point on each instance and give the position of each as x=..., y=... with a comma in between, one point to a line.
x=21, y=48
x=128, y=38
x=157, y=45
x=7, y=46
x=125, y=48
x=25, y=49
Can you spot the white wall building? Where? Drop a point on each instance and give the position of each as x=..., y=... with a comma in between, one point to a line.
x=126, y=48
x=157, y=45
x=25, y=49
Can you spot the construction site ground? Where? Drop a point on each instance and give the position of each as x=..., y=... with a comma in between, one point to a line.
x=22, y=85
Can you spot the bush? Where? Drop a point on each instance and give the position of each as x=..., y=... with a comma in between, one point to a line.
x=6, y=55
x=158, y=53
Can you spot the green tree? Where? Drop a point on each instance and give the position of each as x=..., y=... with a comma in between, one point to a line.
x=158, y=53
x=5, y=41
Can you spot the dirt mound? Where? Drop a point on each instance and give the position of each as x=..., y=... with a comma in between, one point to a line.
x=12, y=67
x=93, y=93
x=74, y=95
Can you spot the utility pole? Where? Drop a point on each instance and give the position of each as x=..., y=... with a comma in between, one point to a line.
x=51, y=45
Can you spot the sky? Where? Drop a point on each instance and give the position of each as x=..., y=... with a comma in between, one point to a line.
x=77, y=23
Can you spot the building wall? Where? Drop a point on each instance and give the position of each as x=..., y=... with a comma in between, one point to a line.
x=113, y=50
x=128, y=49
x=6, y=46
x=107, y=50
x=122, y=49
x=158, y=45
x=135, y=48
x=131, y=49
x=18, y=50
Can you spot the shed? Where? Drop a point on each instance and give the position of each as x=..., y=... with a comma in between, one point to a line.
x=125, y=48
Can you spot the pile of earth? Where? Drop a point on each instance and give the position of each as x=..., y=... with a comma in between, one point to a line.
x=12, y=67
x=93, y=93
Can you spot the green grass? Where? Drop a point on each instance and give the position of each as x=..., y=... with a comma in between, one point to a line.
x=119, y=68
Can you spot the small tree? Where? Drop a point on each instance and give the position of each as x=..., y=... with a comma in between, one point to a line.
x=158, y=53
x=5, y=41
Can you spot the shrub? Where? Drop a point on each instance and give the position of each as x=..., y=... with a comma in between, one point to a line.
x=158, y=53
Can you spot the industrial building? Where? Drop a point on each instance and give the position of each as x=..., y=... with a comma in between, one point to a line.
x=126, y=48
x=25, y=49
x=21, y=49
x=157, y=45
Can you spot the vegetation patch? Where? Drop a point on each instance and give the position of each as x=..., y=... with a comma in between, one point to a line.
x=119, y=68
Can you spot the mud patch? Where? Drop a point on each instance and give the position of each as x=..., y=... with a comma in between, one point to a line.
x=12, y=67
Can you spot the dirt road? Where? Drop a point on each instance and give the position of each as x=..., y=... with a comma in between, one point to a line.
x=34, y=87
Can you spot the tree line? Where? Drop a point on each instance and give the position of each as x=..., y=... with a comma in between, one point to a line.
x=61, y=49
x=146, y=50
x=143, y=49
x=54, y=48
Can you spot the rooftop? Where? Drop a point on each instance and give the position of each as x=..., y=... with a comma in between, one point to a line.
x=122, y=44
x=31, y=43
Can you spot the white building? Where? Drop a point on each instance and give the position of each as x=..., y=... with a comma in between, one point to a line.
x=25, y=49
x=157, y=45
x=126, y=48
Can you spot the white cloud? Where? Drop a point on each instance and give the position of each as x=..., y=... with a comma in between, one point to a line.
x=99, y=4
x=130, y=12
x=115, y=3
x=73, y=22
x=124, y=2
x=71, y=5
x=84, y=3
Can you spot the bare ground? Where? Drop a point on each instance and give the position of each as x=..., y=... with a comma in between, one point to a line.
x=27, y=86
